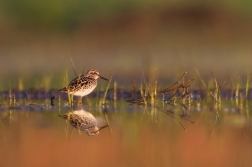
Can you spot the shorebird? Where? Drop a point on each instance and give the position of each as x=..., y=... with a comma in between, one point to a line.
x=83, y=85
x=84, y=121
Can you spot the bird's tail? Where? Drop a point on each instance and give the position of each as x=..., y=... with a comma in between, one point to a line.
x=63, y=89
x=65, y=116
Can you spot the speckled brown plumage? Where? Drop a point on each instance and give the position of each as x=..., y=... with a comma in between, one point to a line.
x=84, y=121
x=84, y=84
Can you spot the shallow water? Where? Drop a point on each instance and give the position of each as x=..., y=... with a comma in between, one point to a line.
x=137, y=136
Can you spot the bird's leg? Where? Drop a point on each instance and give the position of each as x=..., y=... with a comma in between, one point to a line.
x=79, y=103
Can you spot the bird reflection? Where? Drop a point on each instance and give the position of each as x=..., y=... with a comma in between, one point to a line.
x=84, y=121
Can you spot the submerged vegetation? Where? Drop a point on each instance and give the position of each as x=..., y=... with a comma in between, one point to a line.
x=184, y=96
x=148, y=93
x=172, y=95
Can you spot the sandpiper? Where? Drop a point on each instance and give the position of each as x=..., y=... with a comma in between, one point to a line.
x=83, y=85
x=84, y=121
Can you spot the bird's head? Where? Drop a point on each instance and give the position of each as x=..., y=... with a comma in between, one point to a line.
x=95, y=74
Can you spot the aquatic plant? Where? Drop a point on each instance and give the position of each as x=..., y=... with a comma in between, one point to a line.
x=172, y=95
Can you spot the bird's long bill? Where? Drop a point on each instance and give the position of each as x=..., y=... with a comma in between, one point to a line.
x=103, y=78
x=102, y=127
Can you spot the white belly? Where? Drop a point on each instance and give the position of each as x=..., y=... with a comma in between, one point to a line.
x=84, y=92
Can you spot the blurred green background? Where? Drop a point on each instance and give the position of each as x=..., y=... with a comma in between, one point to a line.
x=126, y=38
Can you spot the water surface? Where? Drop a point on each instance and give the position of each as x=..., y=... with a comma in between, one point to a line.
x=137, y=136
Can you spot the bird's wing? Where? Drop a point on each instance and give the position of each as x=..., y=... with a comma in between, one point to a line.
x=75, y=84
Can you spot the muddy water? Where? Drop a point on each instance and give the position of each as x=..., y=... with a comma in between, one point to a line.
x=137, y=136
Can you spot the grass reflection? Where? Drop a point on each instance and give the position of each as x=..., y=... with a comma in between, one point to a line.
x=142, y=136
